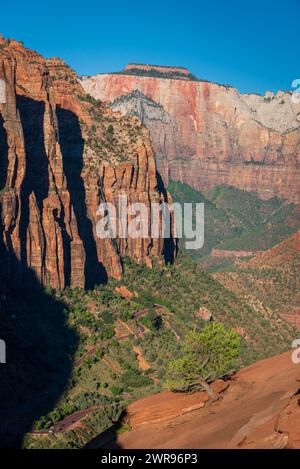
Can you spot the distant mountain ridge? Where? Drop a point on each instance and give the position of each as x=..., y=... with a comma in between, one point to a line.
x=215, y=135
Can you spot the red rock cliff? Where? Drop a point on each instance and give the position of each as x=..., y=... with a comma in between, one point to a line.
x=61, y=154
x=205, y=134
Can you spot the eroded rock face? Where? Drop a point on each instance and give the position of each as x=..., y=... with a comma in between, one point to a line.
x=61, y=154
x=205, y=134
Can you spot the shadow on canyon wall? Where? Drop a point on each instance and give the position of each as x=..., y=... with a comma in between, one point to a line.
x=36, y=182
x=171, y=243
x=3, y=154
x=72, y=146
x=40, y=346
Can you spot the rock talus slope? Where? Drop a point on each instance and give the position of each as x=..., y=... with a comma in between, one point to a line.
x=61, y=154
x=205, y=134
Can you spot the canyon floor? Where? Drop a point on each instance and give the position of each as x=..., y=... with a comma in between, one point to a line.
x=260, y=408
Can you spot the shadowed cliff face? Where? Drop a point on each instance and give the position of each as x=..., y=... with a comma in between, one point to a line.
x=39, y=350
x=39, y=342
x=170, y=244
x=72, y=145
x=3, y=154
x=36, y=179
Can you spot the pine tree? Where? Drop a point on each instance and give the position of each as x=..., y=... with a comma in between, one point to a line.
x=205, y=356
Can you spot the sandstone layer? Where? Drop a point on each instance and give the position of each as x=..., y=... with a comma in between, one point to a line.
x=206, y=134
x=61, y=154
x=260, y=409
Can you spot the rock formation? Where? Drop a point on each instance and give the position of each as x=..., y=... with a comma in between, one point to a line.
x=206, y=134
x=205, y=314
x=61, y=154
x=259, y=410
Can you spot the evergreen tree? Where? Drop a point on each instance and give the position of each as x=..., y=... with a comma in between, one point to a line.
x=205, y=356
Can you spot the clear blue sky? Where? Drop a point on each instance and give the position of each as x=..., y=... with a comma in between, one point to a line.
x=253, y=45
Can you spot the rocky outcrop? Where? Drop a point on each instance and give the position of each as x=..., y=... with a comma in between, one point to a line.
x=259, y=410
x=205, y=134
x=62, y=153
x=205, y=314
x=167, y=406
x=124, y=292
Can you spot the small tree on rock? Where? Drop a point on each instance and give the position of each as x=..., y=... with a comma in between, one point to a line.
x=206, y=356
x=110, y=131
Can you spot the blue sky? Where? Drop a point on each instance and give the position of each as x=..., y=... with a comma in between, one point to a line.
x=252, y=45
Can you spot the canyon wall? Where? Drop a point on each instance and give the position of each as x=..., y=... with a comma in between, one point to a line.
x=61, y=154
x=206, y=134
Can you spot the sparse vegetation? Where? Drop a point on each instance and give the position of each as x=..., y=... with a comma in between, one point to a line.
x=110, y=377
x=237, y=220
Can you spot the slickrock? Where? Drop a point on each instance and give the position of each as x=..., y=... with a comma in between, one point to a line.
x=166, y=406
x=260, y=409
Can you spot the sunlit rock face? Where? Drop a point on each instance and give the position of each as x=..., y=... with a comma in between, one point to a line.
x=206, y=134
x=61, y=154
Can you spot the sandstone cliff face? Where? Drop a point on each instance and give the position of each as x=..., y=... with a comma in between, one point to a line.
x=205, y=134
x=58, y=161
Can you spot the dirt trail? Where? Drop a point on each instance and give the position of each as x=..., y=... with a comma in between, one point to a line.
x=252, y=413
x=130, y=330
x=143, y=364
x=112, y=365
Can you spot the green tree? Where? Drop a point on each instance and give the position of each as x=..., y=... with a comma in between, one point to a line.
x=205, y=356
x=110, y=130
x=115, y=390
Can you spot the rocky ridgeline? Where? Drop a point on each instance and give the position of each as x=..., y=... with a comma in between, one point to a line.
x=62, y=153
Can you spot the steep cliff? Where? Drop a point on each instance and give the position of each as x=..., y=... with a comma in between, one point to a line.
x=61, y=154
x=206, y=134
